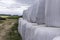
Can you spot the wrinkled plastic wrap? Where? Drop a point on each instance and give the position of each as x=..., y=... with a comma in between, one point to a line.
x=52, y=13
x=36, y=13
x=31, y=31
x=32, y=27
x=40, y=19
x=27, y=14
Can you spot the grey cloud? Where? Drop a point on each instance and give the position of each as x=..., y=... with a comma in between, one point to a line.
x=18, y=4
x=26, y=1
x=11, y=13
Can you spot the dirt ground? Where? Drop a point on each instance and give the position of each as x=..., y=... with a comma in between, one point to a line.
x=5, y=27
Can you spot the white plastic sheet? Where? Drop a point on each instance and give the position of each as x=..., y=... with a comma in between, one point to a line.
x=34, y=12
x=57, y=38
x=27, y=14
x=38, y=12
x=22, y=28
x=45, y=33
x=32, y=31
x=53, y=13
x=40, y=19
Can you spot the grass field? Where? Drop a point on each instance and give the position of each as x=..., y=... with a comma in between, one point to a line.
x=8, y=29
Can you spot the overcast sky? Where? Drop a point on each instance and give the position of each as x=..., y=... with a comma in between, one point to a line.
x=26, y=1
x=14, y=6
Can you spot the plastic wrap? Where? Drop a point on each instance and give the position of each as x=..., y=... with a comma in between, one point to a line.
x=52, y=13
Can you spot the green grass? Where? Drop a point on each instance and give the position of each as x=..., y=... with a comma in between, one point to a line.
x=13, y=17
x=1, y=21
x=13, y=33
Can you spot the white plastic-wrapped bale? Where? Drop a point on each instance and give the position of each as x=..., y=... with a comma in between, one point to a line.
x=25, y=14
x=30, y=29
x=56, y=38
x=40, y=19
x=53, y=13
x=22, y=28
x=26, y=29
x=29, y=13
x=45, y=33
x=38, y=12
x=34, y=12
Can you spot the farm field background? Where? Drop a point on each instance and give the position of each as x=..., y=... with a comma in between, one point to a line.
x=9, y=28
